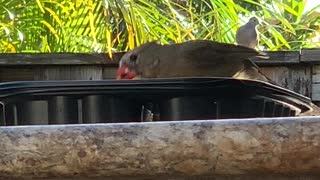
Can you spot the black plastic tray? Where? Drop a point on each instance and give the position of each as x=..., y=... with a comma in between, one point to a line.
x=110, y=101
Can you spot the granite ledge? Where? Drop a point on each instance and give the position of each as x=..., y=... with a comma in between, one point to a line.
x=238, y=147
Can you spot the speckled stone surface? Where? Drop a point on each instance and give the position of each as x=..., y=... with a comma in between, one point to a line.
x=289, y=146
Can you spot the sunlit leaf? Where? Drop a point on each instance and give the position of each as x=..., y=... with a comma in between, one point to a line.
x=116, y=25
x=40, y=6
x=51, y=28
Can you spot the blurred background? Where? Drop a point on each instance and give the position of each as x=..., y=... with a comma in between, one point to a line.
x=36, y=26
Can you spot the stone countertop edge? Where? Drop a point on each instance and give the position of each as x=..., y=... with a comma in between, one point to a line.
x=177, y=148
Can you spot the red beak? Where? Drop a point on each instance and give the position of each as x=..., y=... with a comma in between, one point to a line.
x=124, y=72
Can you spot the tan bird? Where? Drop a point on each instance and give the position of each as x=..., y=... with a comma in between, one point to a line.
x=198, y=58
x=191, y=59
x=247, y=34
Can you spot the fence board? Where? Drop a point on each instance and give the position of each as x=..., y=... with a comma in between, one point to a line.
x=296, y=78
x=291, y=69
x=69, y=73
x=310, y=55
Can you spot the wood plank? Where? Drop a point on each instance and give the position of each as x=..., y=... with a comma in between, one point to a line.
x=316, y=74
x=285, y=76
x=315, y=92
x=295, y=77
x=20, y=73
x=68, y=73
x=283, y=67
x=316, y=83
x=109, y=72
x=279, y=57
x=310, y=55
x=58, y=58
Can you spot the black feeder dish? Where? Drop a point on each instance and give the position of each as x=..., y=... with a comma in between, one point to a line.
x=173, y=99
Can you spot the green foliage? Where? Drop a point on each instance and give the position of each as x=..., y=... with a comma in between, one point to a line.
x=52, y=26
x=285, y=24
x=113, y=25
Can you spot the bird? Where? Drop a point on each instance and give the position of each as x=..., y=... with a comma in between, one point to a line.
x=247, y=34
x=192, y=59
x=195, y=58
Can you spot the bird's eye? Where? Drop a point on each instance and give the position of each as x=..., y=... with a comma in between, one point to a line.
x=133, y=57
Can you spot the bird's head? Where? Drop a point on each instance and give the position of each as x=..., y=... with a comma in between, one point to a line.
x=137, y=62
x=254, y=21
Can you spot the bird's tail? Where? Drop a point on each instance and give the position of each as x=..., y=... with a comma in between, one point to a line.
x=253, y=72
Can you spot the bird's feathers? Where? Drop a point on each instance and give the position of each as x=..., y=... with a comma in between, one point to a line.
x=192, y=58
x=247, y=34
x=211, y=53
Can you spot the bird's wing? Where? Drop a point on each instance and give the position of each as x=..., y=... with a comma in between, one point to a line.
x=211, y=53
x=239, y=32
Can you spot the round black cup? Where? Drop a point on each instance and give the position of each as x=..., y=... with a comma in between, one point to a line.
x=110, y=109
x=202, y=108
x=187, y=108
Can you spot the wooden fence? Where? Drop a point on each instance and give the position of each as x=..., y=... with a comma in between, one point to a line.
x=296, y=70
x=257, y=149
